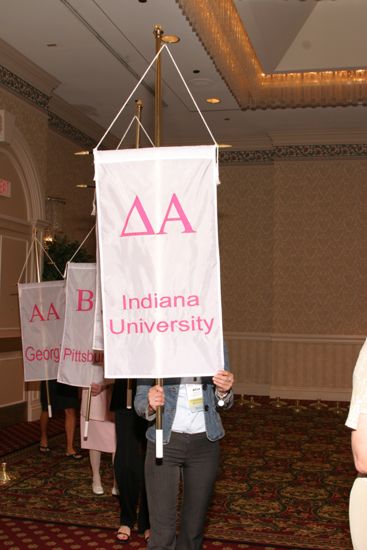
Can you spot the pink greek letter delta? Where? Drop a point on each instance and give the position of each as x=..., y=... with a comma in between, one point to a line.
x=138, y=206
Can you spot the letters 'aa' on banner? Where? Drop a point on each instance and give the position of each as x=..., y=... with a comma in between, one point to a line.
x=79, y=364
x=159, y=261
x=42, y=310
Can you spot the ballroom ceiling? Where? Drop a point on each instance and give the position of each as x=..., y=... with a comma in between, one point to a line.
x=284, y=70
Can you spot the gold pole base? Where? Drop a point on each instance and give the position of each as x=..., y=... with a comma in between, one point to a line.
x=251, y=403
x=278, y=403
x=297, y=408
x=4, y=476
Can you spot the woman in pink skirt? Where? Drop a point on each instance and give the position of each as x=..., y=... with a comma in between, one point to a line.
x=101, y=434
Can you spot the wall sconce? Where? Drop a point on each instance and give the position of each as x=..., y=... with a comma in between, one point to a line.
x=54, y=216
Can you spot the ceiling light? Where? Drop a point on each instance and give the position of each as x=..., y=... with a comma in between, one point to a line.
x=213, y=100
x=51, y=45
x=84, y=186
x=224, y=146
x=170, y=39
x=82, y=153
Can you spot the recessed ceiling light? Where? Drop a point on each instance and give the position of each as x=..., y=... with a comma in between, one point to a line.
x=224, y=146
x=170, y=39
x=51, y=45
x=200, y=82
x=84, y=186
x=213, y=100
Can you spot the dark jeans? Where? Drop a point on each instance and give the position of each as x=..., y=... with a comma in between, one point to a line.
x=129, y=468
x=198, y=460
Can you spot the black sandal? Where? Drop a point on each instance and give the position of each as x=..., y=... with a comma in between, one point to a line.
x=122, y=533
x=75, y=456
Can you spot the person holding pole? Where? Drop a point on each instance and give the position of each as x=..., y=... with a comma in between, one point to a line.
x=129, y=461
x=192, y=429
x=58, y=397
x=100, y=436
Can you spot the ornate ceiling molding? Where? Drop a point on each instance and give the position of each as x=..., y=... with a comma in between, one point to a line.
x=295, y=152
x=220, y=29
x=19, y=86
x=68, y=130
x=50, y=105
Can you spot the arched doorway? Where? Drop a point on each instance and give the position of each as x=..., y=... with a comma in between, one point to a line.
x=22, y=211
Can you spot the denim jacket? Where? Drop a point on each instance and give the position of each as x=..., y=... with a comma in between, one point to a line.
x=213, y=423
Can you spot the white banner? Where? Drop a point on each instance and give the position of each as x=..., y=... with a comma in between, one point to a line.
x=78, y=362
x=98, y=322
x=159, y=261
x=42, y=311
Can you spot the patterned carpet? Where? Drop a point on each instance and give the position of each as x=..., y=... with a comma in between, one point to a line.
x=18, y=534
x=285, y=482
x=23, y=434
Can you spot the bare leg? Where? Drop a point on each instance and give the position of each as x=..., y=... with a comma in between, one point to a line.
x=70, y=423
x=43, y=426
x=95, y=462
x=357, y=507
x=115, y=489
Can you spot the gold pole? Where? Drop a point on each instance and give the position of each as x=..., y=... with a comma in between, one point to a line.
x=38, y=253
x=139, y=108
x=158, y=33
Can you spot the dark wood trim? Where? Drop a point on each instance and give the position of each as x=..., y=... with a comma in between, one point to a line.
x=13, y=414
x=10, y=344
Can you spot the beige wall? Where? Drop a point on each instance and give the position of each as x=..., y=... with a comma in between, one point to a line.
x=32, y=124
x=293, y=239
x=293, y=236
x=22, y=162
x=245, y=206
x=320, y=242
x=38, y=163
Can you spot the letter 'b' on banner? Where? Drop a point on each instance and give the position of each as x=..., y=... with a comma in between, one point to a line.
x=159, y=261
x=78, y=361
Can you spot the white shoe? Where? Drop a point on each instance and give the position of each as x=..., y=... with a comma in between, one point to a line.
x=115, y=492
x=97, y=489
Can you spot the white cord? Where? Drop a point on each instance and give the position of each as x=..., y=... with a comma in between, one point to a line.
x=128, y=99
x=77, y=250
x=49, y=257
x=192, y=97
x=164, y=46
x=27, y=258
x=128, y=128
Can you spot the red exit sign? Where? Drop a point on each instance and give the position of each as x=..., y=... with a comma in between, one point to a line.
x=5, y=188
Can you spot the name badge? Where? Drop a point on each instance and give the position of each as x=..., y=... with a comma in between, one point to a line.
x=195, y=397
